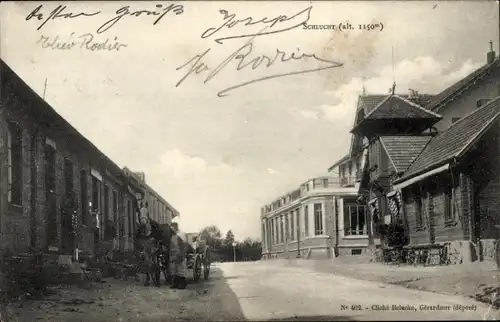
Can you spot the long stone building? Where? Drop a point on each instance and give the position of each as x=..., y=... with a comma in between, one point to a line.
x=58, y=191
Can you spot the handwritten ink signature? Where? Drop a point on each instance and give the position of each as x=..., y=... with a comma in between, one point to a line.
x=85, y=41
x=59, y=12
x=230, y=22
x=124, y=11
x=241, y=55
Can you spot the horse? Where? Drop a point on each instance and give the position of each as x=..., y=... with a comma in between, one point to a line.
x=149, y=233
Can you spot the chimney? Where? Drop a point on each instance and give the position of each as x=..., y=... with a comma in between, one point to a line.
x=490, y=56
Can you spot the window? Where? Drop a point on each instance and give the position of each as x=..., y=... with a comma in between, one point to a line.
x=297, y=221
x=130, y=218
x=95, y=194
x=115, y=206
x=84, y=197
x=292, y=226
x=355, y=219
x=325, y=183
x=96, y=188
x=306, y=220
x=68, y=178
x=106, y=203
x=356, y=251
x=281, y=229
x=15, y=164
x=318, y=219
x=287, y=228
x=272, y=232
x=482, y=102
x=350, y=169
x=454, y=119
x=418, y=211
x=448, y=204
x=278, y=238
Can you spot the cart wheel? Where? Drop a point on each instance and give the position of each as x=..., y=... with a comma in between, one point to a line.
x=197, y=269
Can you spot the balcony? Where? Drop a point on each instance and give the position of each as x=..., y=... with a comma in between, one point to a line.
x=319, y=185
x=349, y=181
x=359, y=174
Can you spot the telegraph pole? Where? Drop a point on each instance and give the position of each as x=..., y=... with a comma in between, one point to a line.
x=44, y=88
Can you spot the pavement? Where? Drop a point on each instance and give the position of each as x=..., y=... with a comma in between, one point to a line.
x=479, y=280
x=264, y=290
x=272, y=290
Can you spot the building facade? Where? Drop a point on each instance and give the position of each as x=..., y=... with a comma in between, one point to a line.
x=58, y=192
x=159, y=209
x=352, y=236
x=451, y=190
x=433, y=165
x=305, y=222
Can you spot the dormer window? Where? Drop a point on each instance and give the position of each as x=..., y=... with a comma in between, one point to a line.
x=482, y=101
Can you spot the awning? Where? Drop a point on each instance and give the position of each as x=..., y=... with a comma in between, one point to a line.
x=421, y=177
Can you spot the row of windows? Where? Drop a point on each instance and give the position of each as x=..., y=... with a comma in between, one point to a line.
x=355, y=219
x=15, y=182
x=448, y=208
x=287, y=227
x=316, y=183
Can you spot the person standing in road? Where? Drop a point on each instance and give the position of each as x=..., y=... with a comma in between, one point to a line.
x=178, y=248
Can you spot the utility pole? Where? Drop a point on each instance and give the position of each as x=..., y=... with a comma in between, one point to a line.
x=45, y=88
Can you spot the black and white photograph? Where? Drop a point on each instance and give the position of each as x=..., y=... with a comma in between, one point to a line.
x=249, y=161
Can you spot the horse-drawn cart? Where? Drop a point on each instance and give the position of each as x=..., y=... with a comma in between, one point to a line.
x=198, y=260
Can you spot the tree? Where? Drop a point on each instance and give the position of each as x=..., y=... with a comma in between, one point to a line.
x=229, y=239
x=249, y=249
x=211, y=235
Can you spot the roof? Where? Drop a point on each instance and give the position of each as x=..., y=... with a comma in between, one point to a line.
x=455, y=141
x=403, y=150
x=369, y=102
x=457, y=88
x=344, y=159
x=46, y=114
x=397, y=107
x=135, y=177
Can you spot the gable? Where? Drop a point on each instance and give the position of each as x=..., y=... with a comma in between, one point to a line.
x=455, y=141
x=403, y=150
x=460, y=87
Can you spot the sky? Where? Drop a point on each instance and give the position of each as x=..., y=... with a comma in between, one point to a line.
x=217, y=160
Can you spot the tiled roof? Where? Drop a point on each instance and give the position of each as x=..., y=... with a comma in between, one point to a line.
x=403, y=150
x=462, y=84
x=455, y=140
x=42, y=111
x=397, y=107
x=345, y=158
x=369, y=102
